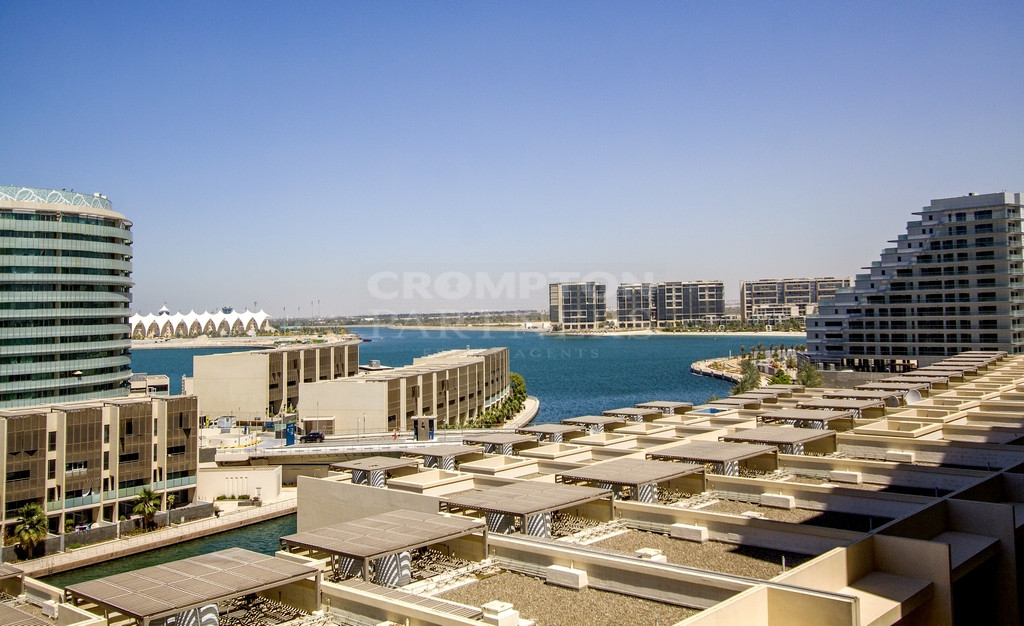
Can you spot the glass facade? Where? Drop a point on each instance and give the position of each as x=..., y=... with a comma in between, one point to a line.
x=65, y=293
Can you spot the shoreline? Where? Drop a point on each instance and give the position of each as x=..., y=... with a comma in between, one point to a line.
x=263, y=343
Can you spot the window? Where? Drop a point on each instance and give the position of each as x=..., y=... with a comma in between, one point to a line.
x=18, y=475
x=129, y=427
x=106, y=460
x=106, y=433
x=51, y=441
x=51, y=468
x=129, y=457
x=76, y=467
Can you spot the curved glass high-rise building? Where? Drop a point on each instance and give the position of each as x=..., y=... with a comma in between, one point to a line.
x=65, y=293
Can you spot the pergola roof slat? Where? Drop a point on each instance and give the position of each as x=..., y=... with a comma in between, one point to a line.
x=631, y=472
x=163, y=590
x=526, y=498
x=383, y=534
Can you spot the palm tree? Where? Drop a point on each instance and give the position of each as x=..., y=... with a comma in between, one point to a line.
x=147, y=503
x=32, y=527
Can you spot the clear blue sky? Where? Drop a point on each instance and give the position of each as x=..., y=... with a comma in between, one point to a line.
x=338, y=152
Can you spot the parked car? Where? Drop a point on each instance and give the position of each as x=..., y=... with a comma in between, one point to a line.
x=313, y=437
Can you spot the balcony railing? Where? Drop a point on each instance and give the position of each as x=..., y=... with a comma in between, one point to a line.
x=71, y=503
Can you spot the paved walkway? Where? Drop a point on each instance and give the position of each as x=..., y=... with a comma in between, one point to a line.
x=109, y=550
x=522, y=418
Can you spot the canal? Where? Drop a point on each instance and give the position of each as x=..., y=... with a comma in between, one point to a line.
x=262, y=537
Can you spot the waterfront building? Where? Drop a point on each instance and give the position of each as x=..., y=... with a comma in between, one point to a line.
x=85, y=462
x=682, y=302
x=223, y=323
x=454, y=387
x=65, y=292
x=776, y=300
x=257, y=384
x=577, y=306
x=952, y=283
x=635, y=305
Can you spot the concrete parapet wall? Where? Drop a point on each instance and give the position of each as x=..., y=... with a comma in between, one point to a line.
x=820, y=497
x=69, y=615
x=979, y=455
x=731, y=529
x=347, y=601
x=643, y=578
x=884, y=472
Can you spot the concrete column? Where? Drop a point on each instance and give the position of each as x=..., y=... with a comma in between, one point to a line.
x=646, y=493
x=539, y=525
x=501, y=523
x=393, y=570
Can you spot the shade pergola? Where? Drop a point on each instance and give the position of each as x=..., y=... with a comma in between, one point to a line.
x=443, y=456
x=668, y=407
x=940, y=382
x=894, y=386
x=635, y=414
x=788, y=440
x=859, y=407
x=532, y=501
x=809, y=418
x=373, y=470
x=889, y=397
x=374, y=463
x=789, y=388
x=10, y=571
x=637, y=474
x=737, y=402
x=455, y=450
x=596, y=423
x=922, y=375
x=369, y=538
x=502, y=443
x=552, y=432
x=957, y=369
x=723, y=457
x=156, y=593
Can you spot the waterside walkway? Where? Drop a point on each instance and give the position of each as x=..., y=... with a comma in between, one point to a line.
x=109, y=550
x=723, y=368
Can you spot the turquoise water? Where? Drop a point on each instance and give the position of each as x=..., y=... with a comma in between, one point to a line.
x=571, y=376
x=262, y=538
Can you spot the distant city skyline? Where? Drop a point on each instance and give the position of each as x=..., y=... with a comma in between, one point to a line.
x=316, y=158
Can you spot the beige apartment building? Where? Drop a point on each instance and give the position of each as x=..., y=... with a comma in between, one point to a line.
x=775, y=300
x=952, y=283
x=86, y=461
x=261, y=383
x=453, y=386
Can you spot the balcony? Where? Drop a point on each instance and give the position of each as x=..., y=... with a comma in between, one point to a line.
x=71, y=503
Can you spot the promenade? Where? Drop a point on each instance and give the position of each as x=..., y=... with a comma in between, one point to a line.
x=166, y=536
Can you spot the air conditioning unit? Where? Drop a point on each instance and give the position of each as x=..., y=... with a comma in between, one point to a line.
x=49, y=609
